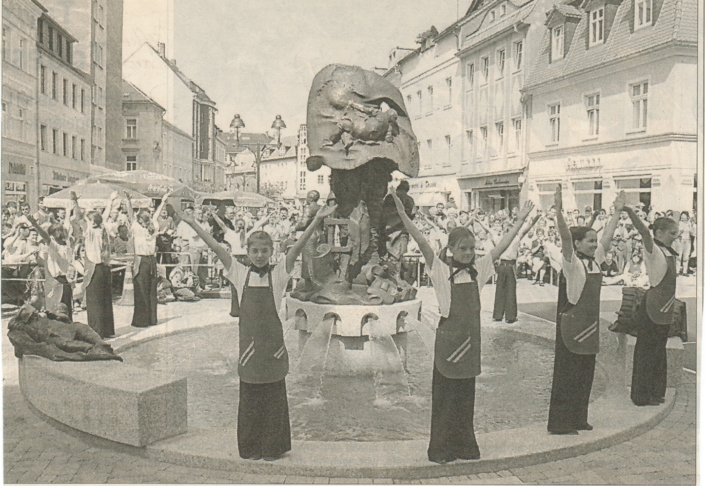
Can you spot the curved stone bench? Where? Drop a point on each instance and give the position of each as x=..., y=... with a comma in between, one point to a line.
x=108, y=399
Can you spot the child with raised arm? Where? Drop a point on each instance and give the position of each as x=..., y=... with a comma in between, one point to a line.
x=263, y=414
x=578, y=320
x=655, y=313
x=457, y=280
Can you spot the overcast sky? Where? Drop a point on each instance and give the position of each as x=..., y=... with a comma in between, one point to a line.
x=258, y=57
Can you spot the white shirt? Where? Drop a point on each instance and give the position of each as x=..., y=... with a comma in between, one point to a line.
x=145, y=244
x=96, y=241
x=234, y=240
x=188, y=234
x=575, y=275
x=656, y=265
x=440, y=277
x=237, y=274
x=512, y=250
x=59, y=258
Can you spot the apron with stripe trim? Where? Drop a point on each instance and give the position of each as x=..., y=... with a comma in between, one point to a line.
x=263, y=355
x=580, y=323
x=660, y=300
x=457, y=347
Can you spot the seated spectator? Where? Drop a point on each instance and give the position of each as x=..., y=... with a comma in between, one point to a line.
x=610, y=270
x=119, y=244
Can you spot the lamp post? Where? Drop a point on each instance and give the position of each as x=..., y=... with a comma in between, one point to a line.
x=278, y=124
x=237, y=124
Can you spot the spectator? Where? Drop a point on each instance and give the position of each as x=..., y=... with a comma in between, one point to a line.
x=683, y=244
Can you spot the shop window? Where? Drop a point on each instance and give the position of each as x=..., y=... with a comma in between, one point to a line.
x=642, y=13
x=592, y=104
x=597, y=26
x=15, y=191
x=131, y=162
x=639, y=96
x=518, y=55
x=557, y=38
x=637, y=190
x=501, y=55
x=554, y=120
x=588, y=193
x=546, y=192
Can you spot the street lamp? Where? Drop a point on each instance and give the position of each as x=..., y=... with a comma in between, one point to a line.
x=237, y=124
x=278, y=124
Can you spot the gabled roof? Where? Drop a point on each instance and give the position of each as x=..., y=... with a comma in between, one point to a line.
x=195, y=89
x=474, y=38
x=132, y=93
x=676, y=22
x=246, y=140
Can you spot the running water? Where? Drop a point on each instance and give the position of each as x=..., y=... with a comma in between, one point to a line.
x=314, y=355
x=390, y=379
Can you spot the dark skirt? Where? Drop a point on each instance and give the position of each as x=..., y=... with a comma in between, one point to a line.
x=572, y=383
x=146, y=293
x=452, y=410
x=99, y=302
x=650, y=363
x=263, y=428
x=505, y=297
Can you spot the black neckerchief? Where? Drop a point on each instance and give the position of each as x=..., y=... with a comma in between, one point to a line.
x=261, y=271
x=590, y=260
x=456, y=267
x=666, y=248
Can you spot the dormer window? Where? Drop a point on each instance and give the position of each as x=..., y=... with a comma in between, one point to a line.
x=642, y=13
x=557, y=37
x=493, y=14
x=597, y=26
x=502, y=10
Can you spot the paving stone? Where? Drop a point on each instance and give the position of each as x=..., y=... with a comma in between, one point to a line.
x=298, y=480
x=321, y=480
x=344, y=481
x=382, y=481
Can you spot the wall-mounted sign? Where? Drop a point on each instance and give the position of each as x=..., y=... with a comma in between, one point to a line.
x=17, y=168
x=58, y=176
x=497, y=181
x=578, y=163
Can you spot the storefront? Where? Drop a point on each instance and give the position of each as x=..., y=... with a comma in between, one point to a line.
x=55, y=179
x=429, y=191
x=492, y=193
x=17, y=179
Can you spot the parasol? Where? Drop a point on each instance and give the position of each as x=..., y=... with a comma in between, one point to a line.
x=94, y=195
x=236, y=198
x=151, y=184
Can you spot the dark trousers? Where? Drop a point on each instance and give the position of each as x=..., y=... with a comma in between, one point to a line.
x=505, y=296
x=452, y=410
x=572, y=383
x=650, y=363
x=263, y=428
x=66, y=295
x=99, y=302
x=145, y=283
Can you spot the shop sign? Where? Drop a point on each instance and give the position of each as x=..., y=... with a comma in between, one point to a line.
x=16, y=168
x=578, y=163
x=419, y=186
x=58, y=176
x=497, y=181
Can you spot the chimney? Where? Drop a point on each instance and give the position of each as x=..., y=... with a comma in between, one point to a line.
x=162, y=49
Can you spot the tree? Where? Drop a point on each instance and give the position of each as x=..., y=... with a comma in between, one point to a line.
x=272, y=191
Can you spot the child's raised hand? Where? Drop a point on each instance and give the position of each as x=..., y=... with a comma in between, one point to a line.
x=621, y=201
x=528, y=207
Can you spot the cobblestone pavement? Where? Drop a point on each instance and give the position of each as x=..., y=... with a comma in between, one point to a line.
x=36, y=452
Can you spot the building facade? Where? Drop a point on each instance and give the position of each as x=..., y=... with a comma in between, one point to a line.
x=430, y=80
x=187, y=105
x=613, y=105
x=63, y=110
x=19, y=100
x=499, y=42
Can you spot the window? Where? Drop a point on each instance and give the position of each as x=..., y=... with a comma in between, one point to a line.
x=131, y=132
x=502, y=10
x=55, y=141
x=485, y=69
x=449, y=145
x=557, y=49
x=501, y=54
x=469, y=137
x=449, y=90
x=518, y=54
x=408, y=100
x=547, y=191
x=43, y=137
x=65, y=91
x=588, y=193
x=60, y=45
x=302, y=180
x=429, y=144
x=499, y=129
x=493, y=15
x=21, y=61
x=68, y=51
x=131, y=162
x=554, y=118
x=483, y=141
x=320, y=180
x=430, y=100
x=83, y=100
x=471, y=75
x=83, y=149
x=642, y=13
x=54, y=84
x=5, y=36
x=639, y=96
x=597, y=26
x=43, y=79
x=65, y=146
x=21, y=125
x=74, y=152
x=592, y=103
x=420, y=101
x=73, y=96
x=51, y=38
x=637, y=190
x=516, y=124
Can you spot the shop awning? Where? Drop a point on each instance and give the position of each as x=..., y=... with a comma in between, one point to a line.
x=497, y=181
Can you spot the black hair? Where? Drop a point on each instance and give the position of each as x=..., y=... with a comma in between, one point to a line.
x=403, y=186
x=579, y=233
x=663, y=224
x=455, y=236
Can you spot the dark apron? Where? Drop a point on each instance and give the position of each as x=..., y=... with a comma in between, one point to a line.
x=457, y=349
x=580, y=323
x=263, y=355
x=660, y=300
